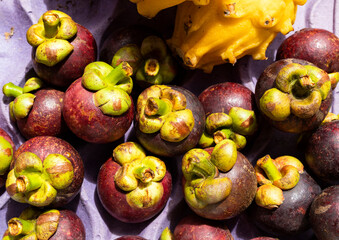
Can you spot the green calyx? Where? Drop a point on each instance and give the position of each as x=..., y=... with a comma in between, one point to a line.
x=6, y=155
x=274, y=176
x=203, y=186
x=235, y=125
x=152, y=62
x=51, y=37
x=24, y=99
x=33, y=224
x=139, y=175
x=163, y=109
x=299, y=90
x=111, y=86
x=37, y=183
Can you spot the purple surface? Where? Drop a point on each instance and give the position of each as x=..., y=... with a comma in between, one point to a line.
x=15, y=66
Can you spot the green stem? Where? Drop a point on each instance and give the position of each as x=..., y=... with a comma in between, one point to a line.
x=122, y=71
x=144, y=174
x=270, y=169
x=12, y=90
x=51, y=23
x=152, y=67
x=222, y=134
x=156, y=106
x=17, y=226
x=28, y=182
x=202, y=168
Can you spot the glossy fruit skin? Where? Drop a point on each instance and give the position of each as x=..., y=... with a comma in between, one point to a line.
x=156, y=145
x=114, y=200
x=222, y=97
x=318, y=46
x=71, y=68
x=291, y=217
x=7, y=137
x=42, y=146
x=324, y=214
x=130, y=237
x=244, y=187
x=195, y=227
x=87, y=121
x=70, y=227
x=292, y=124
x=322, y=152
x=45, y=117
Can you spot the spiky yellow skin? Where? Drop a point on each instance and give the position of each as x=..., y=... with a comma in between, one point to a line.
x=226, y=30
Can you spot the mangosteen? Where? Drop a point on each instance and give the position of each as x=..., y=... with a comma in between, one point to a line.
x=315, y=45
x=50, y=224
x=322, y=151
x=284, y=196
x=61, y=48
x=219, y=183
x=169, y=120
x=7, y=149
x=45, y=171
x=264, y=238
x=230, y=114
x=97, y=106
x=130, y=237
x=324, y=214
x=131, y=186
x=197, y=228
x=37, y=110
x=294, y=95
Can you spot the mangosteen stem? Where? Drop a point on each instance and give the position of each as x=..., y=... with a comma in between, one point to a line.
x=270, y=169
x=303, y=86
x=122, y=71
x=144, y=174
x=201, y=168
x=12, y=90
x=156, y=106
x=17, y=226
x=222, y=134
x=28, y=182
x=152, y=67
x=51, y=22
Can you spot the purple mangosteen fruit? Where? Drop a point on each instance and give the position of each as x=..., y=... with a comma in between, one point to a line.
x=131, y=186
x=45, y=171
x=264, y=238
x=322, y=151
x=97, y=106
x=293, y=95
x=219, y=183
x=197, y=228
x=7, y=149
x=37, y=110
x=315, y=45
x=169, y=120
x=61, y=48
x=50, y=224
x=284, y=196
x=324, y=214
x=230, y=114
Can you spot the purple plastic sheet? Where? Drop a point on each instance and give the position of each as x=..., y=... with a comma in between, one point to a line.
x=15, y=65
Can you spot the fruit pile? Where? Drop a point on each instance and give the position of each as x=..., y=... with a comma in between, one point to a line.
x=146, y=135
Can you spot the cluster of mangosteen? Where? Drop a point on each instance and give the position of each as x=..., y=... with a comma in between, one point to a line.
x=135, y=84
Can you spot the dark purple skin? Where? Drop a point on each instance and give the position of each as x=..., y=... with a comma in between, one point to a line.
x=70, y=227
x=264, y=238
x=324, y=214
x=292, y=124
x=42, y=146
x=72, y=67
x=244, y=187
x=130, y=237
x=322, y=151
x=6, y=136
x=291, y=217
x=120, y=37
x=197, y=228
x=318, y=46
x=114, y=200
x=88, y=122
x=223, y=96
x=45, y=117
x=158, y=146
